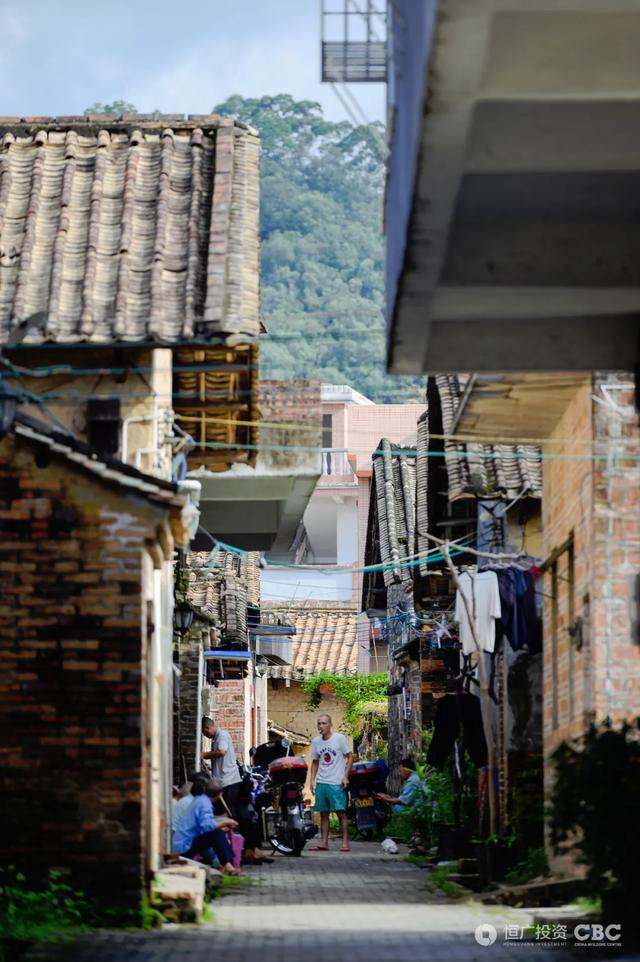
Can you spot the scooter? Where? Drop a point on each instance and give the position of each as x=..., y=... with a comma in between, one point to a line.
x=287, y=822
x=368, y=814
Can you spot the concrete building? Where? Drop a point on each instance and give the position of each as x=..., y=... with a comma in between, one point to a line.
x=512, y=187
x=335, y=521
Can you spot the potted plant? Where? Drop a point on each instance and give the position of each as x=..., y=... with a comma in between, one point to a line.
x=594, y=808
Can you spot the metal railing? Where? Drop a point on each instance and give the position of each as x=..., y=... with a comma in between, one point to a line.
x=354, y=41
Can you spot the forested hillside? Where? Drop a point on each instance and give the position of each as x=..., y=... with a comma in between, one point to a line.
x=322, y=246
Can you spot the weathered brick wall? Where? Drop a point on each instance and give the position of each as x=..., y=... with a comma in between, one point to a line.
x=228, y=708
x=596, y=496
x=568, y=506
x=186, y=723
x=72, y=761
x=615, y=586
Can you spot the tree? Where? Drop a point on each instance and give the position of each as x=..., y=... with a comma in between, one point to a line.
x=116, y=109
x=322, y=248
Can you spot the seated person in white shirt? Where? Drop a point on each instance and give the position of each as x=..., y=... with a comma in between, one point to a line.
x=196, y=829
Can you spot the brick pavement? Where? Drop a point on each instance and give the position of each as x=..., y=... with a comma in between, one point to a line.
x=360, y=907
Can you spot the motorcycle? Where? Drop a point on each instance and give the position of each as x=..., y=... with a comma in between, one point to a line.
x=287, y=822
x=368, y=814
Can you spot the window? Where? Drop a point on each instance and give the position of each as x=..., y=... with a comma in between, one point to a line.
x=561, y=566
x=327, y=442
x=103, y=425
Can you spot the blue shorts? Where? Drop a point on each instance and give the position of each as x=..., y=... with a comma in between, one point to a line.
x=330, y=798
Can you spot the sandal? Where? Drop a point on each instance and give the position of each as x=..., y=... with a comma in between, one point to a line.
x=319, y=848
x=345, y=848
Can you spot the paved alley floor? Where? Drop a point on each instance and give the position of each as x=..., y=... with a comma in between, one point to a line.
x=328, y=907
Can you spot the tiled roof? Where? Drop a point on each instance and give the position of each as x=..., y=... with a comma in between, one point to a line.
x=128, y=229
x=394, y=491
x=326, y=640
x=106, y=468
x=223, y=591
x=502, y=469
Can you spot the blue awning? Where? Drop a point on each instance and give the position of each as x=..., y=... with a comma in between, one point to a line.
x=221, y=653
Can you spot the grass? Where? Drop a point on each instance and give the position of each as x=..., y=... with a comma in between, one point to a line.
x=533, y=865
x=234, y=882
x=440, y=879
x=421, y=860
x=589, y=903
x=208, y=915
x=51, y=910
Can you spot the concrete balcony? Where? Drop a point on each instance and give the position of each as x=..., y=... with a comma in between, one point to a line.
x=513, y=193
x=337, y=466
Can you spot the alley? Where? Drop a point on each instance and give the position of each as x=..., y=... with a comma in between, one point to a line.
x=360, y=907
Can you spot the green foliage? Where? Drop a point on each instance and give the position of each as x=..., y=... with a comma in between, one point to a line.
x=533, y=865
x=52, y=909
x=116, y=108
x=357, y=691
x=595, y=803
x=322, y=246
x=433, y=806
x=440, y=880
x=42, y=913
x=399, y=827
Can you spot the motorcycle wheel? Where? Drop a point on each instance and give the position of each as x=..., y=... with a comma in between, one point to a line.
x=298, y=841
x=295, y=842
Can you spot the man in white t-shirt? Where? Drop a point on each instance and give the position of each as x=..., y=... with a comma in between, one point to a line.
x=330, y=769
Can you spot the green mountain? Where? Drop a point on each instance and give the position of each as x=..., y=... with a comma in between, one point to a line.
x=322, y=247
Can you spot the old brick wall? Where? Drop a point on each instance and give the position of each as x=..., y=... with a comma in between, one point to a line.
x=288, y=707
x=568, y=673
x=592, y=673
x=72, y=756
x=227, y=706
x=187, y=710
x=615, y=587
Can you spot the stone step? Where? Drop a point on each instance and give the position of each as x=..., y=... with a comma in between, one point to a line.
x=468, y=881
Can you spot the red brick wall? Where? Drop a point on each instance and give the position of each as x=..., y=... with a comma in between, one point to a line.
x=72, y=762
x=615, y=587
x=595, y=494
x=229, y=711
x=568, y=507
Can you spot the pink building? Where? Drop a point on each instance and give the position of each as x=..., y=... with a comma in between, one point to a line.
x=335, y=521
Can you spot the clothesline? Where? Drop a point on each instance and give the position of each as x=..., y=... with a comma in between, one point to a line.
x=445, y=543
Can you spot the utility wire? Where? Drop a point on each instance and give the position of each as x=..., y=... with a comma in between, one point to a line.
x=412, y=452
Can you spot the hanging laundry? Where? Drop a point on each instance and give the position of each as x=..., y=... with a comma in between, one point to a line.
x=457, y=715
x=482, y=595
x=532, y=616
x=507, y=627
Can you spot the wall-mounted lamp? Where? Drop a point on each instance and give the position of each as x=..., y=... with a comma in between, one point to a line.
x=182, y=617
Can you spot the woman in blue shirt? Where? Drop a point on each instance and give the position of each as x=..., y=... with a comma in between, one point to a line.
x=198, y=830
x=411, y=786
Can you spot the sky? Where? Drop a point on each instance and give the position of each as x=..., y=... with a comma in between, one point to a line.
x=179, y=56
